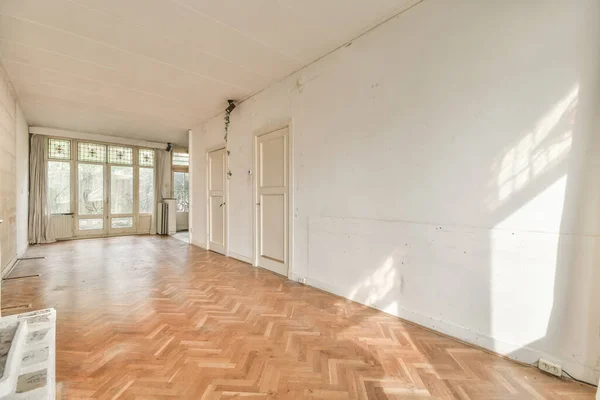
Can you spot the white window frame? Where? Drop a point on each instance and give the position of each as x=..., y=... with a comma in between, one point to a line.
x=74, y=189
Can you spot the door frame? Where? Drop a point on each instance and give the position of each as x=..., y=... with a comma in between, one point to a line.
x=221, y=146
x=290, y=206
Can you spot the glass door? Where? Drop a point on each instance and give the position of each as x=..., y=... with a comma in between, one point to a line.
x=121, y=199
x=91, y=210
x=109, y=189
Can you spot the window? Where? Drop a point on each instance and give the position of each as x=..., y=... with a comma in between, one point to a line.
x=91, y=189
x=91, y=152
x=121, y=222
x=121, y=190
x=182, y=159
x=146, y=190
x=98, y=183
x=181, y=190
x=120, y=155
x=59, y=187
x=59, y=149
x=146, y=158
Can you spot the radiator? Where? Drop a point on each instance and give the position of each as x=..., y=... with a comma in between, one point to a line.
x=162, y=219
x=166, y=217
x=62, y=226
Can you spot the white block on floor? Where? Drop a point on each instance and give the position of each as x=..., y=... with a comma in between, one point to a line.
x=27, y=355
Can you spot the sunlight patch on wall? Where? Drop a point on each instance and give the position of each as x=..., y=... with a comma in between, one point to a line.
x=544, y=147
x=520, y=310
x=519, y=258
x=530, y=184
x=391, y=308
x=542, y=213
x=375, y=287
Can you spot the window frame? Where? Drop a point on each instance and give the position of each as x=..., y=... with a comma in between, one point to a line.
x=74, y=185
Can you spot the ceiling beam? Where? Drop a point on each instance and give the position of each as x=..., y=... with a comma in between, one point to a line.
x=39, y=130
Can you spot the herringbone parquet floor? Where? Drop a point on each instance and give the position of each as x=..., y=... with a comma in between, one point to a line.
x=154, y=318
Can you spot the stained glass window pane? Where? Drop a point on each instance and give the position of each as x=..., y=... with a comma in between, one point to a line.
x=91, y=152
x=120, y=155
x=181, y=159
x=59, y=149
x=146, y=158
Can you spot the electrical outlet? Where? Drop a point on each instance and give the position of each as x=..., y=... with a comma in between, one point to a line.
x=550, y=367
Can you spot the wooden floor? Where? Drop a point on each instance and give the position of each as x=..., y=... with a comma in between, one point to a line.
x=154, y=318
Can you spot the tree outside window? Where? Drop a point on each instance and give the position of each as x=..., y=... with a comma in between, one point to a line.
x=181, y=190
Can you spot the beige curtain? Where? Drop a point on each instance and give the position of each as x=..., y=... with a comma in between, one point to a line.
x=40, y=230
x=162, y=182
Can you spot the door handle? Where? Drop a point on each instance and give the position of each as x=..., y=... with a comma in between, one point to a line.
x=258, y=204
x=221, y=204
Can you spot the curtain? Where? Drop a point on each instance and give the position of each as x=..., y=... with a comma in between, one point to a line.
x=162, y=182
x=40, y=230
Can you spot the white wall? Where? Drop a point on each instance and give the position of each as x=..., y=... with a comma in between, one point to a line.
x=14, y=172
x=22, y=160
x=445, y=170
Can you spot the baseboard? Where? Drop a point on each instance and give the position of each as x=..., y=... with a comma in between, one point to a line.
x=523, y=354
x=22, y=252
x=9, y=267
x=199, y=244
x=240, y=257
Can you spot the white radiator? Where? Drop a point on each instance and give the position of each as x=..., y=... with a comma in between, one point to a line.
x=162, y=219
x=166, y=217
x=62, y=226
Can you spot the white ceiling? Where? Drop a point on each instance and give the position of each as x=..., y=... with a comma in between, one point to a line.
x=151, y=69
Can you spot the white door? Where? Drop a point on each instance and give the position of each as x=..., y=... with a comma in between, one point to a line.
x=216, y=201
x=272, y=190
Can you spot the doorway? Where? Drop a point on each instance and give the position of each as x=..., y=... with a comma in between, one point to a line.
x=217, y=200
x=272, y=201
